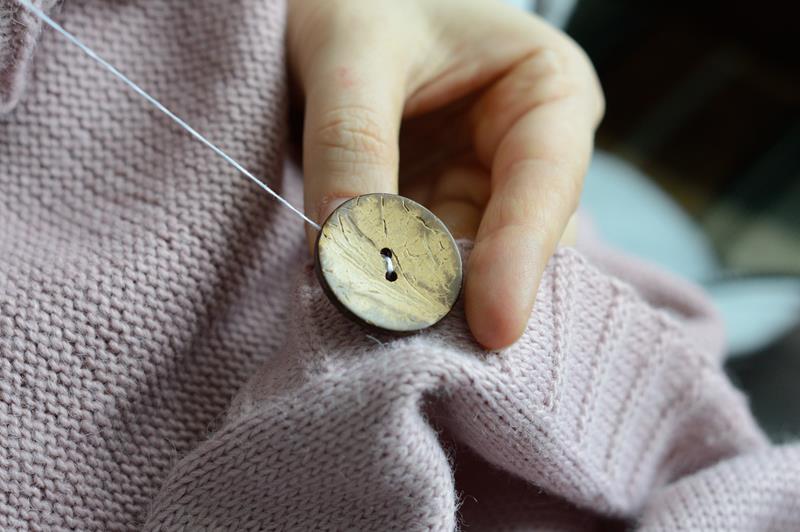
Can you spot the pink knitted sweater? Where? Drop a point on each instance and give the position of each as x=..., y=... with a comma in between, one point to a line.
x=168, y=361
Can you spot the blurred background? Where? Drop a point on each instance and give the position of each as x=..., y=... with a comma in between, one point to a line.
x=698, y=166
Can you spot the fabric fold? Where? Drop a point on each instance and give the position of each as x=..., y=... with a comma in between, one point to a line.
x=167, y=356
x=603, y=401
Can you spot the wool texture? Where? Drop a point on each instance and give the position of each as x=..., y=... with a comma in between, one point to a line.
x=168, y=360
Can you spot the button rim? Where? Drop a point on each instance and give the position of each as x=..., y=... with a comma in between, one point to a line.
x=331, y=295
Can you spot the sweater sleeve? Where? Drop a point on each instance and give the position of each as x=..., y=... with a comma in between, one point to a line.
x=613, y=394
x=19, y=31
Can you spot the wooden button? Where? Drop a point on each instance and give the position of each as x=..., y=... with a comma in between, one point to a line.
x=388, y=262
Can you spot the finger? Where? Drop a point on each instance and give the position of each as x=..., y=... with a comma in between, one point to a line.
x=535, y=129
x=459, y=197
x=570, y=235
x=354, y=100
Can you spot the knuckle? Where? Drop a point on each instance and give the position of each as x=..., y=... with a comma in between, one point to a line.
x=547, y=76
x=355, y=135
x=546, y=61
x=587, y=78
x=592, y=88
x=568, y=71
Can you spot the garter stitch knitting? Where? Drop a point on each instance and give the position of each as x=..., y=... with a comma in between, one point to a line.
x=169, y=362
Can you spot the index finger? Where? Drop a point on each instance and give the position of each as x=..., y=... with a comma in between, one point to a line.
x=535, y=129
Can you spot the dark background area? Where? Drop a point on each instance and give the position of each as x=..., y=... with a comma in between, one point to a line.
x=704, y=97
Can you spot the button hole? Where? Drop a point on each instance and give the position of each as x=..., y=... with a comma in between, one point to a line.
x=391, y=275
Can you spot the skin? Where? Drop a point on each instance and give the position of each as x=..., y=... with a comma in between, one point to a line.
x=481, y=112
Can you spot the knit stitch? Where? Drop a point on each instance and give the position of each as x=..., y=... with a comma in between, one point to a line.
x=169, y=361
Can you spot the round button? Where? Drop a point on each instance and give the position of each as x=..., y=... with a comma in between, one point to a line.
x=388, y=262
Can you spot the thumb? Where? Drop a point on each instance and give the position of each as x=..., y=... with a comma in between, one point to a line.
x=354, y=104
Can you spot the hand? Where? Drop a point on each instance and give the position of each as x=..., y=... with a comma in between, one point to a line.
x=498, y=112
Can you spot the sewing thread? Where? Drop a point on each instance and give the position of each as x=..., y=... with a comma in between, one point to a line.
x=161, y=107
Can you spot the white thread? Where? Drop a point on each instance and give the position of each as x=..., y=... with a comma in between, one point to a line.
x=158, y=105
x=389, y=265
x=375, y=340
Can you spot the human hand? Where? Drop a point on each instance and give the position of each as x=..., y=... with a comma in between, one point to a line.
x=498, y=112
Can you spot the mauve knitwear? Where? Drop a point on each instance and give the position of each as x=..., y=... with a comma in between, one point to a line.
x=169, y=362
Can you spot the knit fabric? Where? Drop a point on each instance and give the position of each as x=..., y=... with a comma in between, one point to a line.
x=169, y=362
